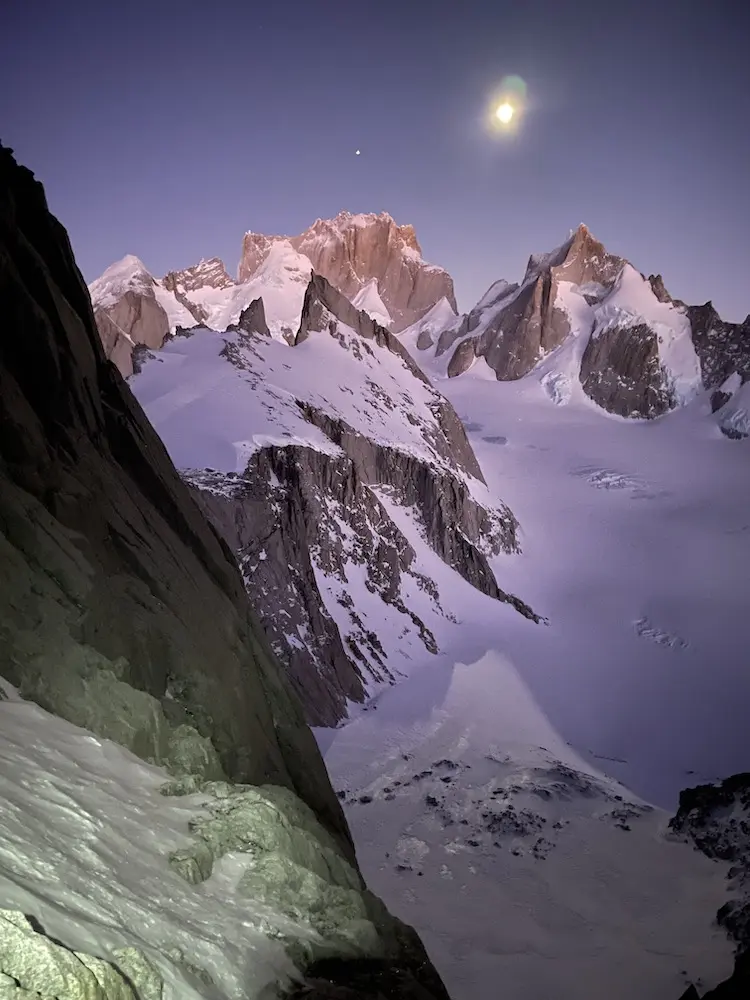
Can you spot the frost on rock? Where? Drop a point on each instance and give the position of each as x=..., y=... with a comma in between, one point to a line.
x=291, y=868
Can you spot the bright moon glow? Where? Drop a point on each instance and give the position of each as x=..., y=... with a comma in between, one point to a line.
x=504, y=113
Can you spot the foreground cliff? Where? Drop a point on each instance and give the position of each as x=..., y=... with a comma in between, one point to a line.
x=125, y=615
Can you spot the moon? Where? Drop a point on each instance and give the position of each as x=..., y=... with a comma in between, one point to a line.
x=357, y=152
x=504, y=113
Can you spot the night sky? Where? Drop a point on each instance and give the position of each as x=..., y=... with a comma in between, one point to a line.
x=168, y=129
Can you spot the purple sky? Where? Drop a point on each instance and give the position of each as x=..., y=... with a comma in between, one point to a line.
x=166, y=129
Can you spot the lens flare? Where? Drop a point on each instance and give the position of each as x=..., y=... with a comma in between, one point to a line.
x=507, y=106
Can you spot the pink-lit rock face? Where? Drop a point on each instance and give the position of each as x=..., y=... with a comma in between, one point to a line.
x=351, y=250
x=209, y=273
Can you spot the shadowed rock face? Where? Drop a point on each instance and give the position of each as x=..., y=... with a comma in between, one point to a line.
x=253, y=319
x=620, y=371
x=722, y=348
x=531, y=325
x=716, y=818
x=351, y=250
x=123, y=610
x=110, y=575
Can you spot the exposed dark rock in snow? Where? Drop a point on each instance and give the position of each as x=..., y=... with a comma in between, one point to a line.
x=124, y=611
x=620, y=371
x=723, y=348
x=253, y=319
x=296, y=511
x=716, y=818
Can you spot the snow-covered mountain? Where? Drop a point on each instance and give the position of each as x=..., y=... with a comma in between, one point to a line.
x=352, y=250
x=586, y=320
x=325, y=484
x=131, y=307
x=371, y=259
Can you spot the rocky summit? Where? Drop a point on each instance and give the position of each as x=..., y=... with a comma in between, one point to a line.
x=353, y=250
x=584, y=317
x=134, y=676
x=369, y=258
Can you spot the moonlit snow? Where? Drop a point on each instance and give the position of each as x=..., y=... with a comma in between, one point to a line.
x=636, y=546
x=509, y=796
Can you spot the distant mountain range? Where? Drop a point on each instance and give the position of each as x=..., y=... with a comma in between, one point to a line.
x=587, y=316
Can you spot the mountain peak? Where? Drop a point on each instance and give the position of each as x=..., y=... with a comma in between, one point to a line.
x=352, y=249
x=129, y=274
x=207, y=273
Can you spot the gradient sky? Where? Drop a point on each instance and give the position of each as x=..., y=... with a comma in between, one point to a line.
x=167, y=129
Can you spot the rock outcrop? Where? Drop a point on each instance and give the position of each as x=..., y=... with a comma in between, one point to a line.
x=352, y=250
x=206, y=274
x=716, y=818
x=621, y=371
x=124, y=611
x=209, y=273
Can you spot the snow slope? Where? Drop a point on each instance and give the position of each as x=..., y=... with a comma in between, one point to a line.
x=622, y=521
x=527, y=873
x=280, y=281
x=636, y=543
x=368, y=299
x=215, y=398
